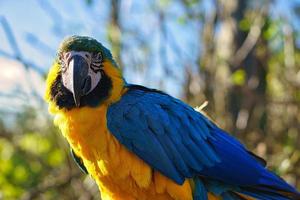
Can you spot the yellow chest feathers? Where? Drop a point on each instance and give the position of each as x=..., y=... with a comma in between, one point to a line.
x=119, y=173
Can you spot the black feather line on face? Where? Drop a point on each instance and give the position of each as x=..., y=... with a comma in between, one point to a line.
x=64, y=98
x=96, y=68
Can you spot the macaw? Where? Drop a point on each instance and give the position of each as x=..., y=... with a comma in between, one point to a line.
x=142, y=144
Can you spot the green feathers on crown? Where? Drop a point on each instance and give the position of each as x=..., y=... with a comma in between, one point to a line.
x=84, y=43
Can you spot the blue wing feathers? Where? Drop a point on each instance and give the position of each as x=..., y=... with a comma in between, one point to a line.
x=200, y=192
x=181, y=143
x=171, y=150
x=163, y=128
x=199, y=154
x=189, y=159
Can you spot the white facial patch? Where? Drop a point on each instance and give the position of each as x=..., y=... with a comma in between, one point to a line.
x=95, y=78
x=94, y=75
x=67, y=78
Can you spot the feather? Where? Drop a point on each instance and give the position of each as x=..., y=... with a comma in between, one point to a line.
x=200, y=192
x=181, y=143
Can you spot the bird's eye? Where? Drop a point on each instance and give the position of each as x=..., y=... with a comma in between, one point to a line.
x=87, y=56
x=97, y=56
x=96, y=62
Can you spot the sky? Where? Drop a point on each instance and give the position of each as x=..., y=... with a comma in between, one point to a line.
x=40, y=25
x=42, y=22
x=34, y=26
x=41, y=18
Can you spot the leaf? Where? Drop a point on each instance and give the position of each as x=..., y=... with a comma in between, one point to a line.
x=56, y=157
x=238, y=77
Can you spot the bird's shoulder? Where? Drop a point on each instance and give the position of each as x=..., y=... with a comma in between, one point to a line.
x=139, y=92
x=144, y=97
x=163, y=131
x=177, y=140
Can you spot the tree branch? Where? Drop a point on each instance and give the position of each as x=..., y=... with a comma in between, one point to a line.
x=251, y=39
x=17, y=53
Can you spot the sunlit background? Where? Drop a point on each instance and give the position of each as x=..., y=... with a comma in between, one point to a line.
x=241, y=56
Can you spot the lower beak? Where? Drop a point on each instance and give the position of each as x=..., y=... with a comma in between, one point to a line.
x=79, y=80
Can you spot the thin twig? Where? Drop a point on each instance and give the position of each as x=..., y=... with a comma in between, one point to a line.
x=19, y=57
x=16, y=50
x=10, y=37
x=251, y=39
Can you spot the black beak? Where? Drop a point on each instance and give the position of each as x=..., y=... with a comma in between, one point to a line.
x=78, y=76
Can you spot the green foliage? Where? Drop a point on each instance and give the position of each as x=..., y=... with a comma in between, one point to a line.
x=191, y=3
x=245, y=24
x=164, y=3
x=28, y=156
x=238, y=77
x=257, y=99
x=35, y=143
x=182, y=20
x=16, y=173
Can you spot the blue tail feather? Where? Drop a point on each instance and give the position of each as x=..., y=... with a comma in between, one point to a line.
x=243, y=173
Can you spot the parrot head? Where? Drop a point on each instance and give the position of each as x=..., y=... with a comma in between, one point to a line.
x=84, y=74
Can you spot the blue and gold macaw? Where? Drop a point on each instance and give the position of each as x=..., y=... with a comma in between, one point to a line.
x=140, y=143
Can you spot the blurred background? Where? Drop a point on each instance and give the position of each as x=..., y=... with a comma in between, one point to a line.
x=241, y=56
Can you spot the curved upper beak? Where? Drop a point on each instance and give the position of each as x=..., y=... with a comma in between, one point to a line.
x=76, y=78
